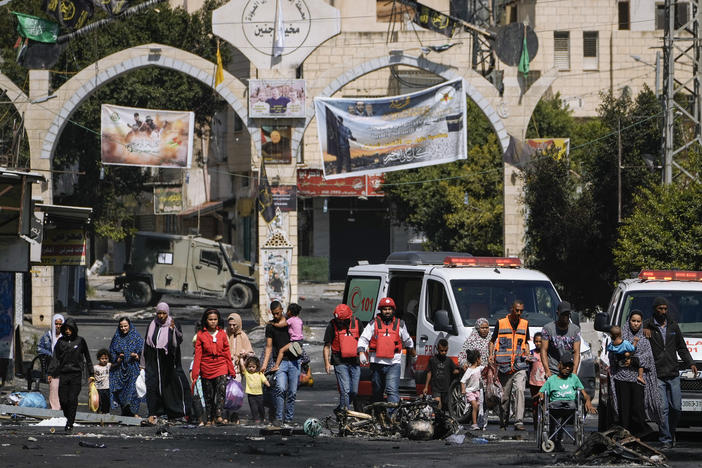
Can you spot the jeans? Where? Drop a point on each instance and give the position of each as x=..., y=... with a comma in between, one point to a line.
x=286, y=379
x=385, y=379
x=347, y=376
x=671, y=400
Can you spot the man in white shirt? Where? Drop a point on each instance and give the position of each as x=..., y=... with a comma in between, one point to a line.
x=384, y=337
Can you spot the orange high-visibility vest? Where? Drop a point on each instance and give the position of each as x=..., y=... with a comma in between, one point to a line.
x=511, y=346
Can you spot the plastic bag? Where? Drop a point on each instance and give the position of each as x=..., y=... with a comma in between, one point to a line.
x=493, y=387
x=235, y=395
x=28, y=399
x=93, y=398
x=141, y=384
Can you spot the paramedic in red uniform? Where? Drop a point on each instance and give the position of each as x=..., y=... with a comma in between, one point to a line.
x=384, y=337
x=341, y=344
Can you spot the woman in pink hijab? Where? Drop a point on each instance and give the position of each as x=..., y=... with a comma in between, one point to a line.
x=167, y=387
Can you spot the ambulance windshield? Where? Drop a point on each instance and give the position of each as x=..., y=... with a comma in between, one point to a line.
x=685, y=307
x=492, y=299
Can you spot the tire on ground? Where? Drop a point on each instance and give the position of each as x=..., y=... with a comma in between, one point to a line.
x=239, y=296
x=138, y=294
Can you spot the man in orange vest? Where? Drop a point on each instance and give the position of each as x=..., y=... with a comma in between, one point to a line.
x=509, y=350
x=384, y=337
x=341, y=342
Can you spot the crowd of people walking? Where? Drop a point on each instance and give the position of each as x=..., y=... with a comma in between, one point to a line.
x=494, y=368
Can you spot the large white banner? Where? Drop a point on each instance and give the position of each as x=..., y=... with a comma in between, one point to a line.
x=146, y=137
x=368, y=136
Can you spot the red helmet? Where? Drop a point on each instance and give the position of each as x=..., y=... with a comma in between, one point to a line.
x=386, y=302
x=343, y=312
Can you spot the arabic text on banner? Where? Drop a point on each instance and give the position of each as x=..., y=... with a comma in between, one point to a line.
x=368, y=136
x=63, y=247
x=146, y=137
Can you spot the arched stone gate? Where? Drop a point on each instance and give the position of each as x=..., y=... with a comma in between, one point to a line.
x=46, y=114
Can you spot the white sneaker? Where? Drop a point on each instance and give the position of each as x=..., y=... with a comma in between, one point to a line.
x=474, y=427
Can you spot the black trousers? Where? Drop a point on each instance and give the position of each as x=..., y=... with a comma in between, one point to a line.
x=630, y=401
x=69, y=389
x=214, y=391
x=104, y=407
x=256, y=405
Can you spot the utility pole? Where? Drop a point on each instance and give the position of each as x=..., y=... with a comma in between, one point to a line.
x=680, y=47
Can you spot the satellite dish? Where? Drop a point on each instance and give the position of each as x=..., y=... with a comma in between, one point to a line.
x=510, y=40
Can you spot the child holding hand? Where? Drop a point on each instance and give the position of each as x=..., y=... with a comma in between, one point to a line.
x=255, y=380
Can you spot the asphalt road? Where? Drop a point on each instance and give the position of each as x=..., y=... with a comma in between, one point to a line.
x=22, y=444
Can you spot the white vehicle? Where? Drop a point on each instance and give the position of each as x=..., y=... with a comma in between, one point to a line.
x=440, y=295
x=683, y=291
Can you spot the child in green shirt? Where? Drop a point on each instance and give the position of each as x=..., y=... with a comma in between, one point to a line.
x=563, y=389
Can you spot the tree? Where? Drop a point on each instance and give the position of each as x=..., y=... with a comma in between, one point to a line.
x=663, y=231
x=458, y=206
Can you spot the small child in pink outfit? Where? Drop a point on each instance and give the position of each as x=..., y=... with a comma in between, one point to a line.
x=295, y=325
x=470, y=384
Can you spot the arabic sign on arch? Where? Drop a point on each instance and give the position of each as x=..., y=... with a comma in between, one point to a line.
x=370, y=136
x=250, y=25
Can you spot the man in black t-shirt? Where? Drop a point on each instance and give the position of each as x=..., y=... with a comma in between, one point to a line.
x=288, y=374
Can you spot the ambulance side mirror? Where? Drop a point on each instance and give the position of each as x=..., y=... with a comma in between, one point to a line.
x=441, y=321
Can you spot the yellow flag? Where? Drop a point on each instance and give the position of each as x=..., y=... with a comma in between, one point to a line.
x=219, y=74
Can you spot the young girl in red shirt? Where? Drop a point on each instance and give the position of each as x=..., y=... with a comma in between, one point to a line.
x=213, y=363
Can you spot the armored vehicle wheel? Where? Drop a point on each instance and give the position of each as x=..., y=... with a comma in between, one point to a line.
x=138, y=294
x=239, y=296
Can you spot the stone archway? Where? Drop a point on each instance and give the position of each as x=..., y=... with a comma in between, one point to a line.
x=72, y=93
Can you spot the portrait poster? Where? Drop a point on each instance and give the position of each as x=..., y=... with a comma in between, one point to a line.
x=168, y=200
x=275, y=144
x=276, y=270
x=277, y=99
x=371, y=136
x=146, y=137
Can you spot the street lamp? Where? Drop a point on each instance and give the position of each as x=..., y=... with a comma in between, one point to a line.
x=657, y=67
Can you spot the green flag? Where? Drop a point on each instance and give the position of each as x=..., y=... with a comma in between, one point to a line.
x=524, y=59
x=36, y=29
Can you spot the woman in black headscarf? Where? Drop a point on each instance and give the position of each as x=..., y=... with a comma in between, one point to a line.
x=167, y=387
x=634, y=402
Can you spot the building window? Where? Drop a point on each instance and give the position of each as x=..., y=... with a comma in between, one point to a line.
x=624, y=15
x=660, y=15
x=682, y=14
x=590, y=50
x=561, y=50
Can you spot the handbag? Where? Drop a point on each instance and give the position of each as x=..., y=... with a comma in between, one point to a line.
x=141, y=384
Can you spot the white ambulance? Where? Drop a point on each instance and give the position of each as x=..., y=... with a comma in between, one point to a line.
x=683, y=291
x=440, y=295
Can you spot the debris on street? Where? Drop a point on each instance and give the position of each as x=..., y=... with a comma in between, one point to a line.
x=419, y=419
x=91, y=418
x=617, y=446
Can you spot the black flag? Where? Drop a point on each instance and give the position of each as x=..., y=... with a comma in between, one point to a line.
x=332, y=133
x=265, y=197
x=429, y=18
x=72, y=14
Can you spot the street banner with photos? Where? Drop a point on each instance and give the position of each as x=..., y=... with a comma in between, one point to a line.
x=370, y=136
x=146, y=137
x=562, y=145
x=277, y=99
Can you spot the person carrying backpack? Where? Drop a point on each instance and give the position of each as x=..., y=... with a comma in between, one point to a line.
x=341, y=351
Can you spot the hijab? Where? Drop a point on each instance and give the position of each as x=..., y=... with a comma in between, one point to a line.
x=157, y=333
x=239, y=342
x=475, y=341
x=54, y=337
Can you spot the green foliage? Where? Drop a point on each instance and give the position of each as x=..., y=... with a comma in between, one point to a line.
x=551, y=119
x=432, y=199
x=149, y=87
x=314, y=269
x=663, y=232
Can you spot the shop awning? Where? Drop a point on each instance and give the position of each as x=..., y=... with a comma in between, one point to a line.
x=204, y=208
